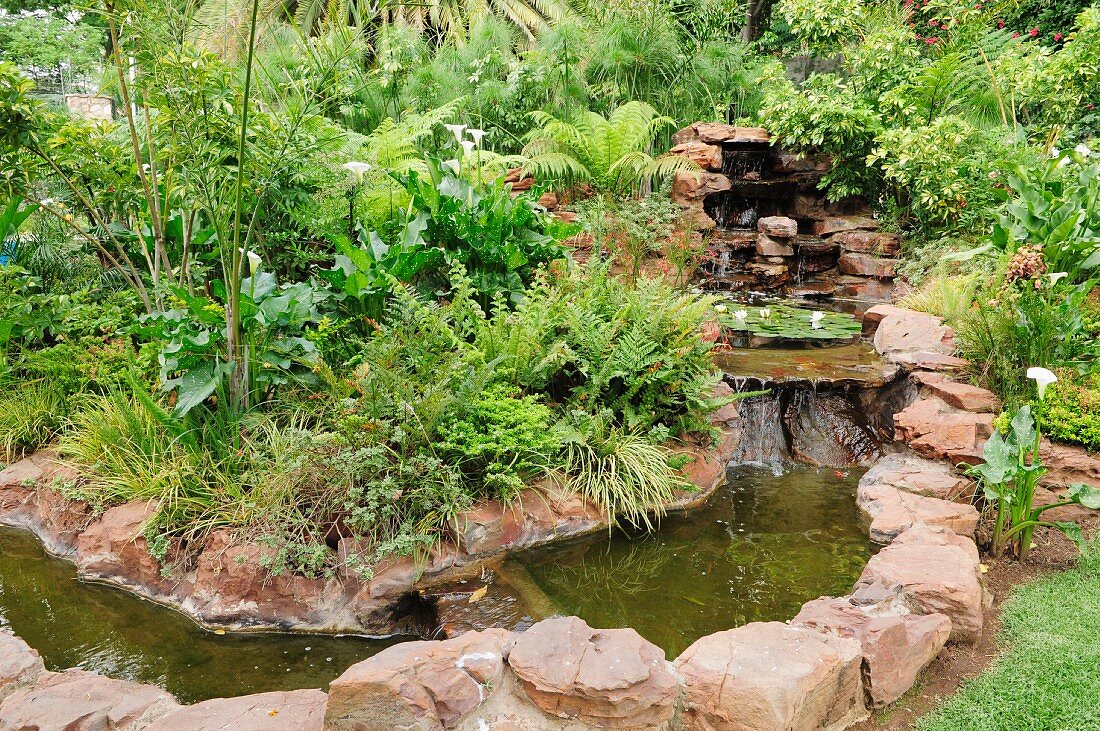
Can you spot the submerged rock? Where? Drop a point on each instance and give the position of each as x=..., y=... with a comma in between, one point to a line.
x=767, y=676
x=609, y=678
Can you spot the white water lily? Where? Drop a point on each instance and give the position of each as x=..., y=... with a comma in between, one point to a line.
x=456, y=130
x=765, y=313
x=815, y=319
x=719, y=308
x=476, y=135
x=358, y=169
x=1055, y=276
x=741, y=314
x=1042, y=377
x=467, y=146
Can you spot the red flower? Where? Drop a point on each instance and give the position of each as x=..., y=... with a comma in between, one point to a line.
x=1033, y=32
x=933, y=23
x=978, y=6
x=931, y=40
x=1057, y=36
x=1000, y=24
x=1015, y=35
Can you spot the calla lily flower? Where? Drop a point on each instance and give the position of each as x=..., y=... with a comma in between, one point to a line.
x=253, y=261
x=453, y=166
x=815, y=319
x=456, y=130
x=1055, y=276
x=467, y=145
x=476, y=135
x=1042, y=377
x=358, y=169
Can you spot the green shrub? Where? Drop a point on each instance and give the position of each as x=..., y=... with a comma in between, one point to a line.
x=30, y=416
x=1071, y=412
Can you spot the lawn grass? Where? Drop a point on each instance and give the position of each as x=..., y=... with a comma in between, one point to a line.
x=1048, y=676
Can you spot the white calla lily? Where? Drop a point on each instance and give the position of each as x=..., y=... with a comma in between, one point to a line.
x=456, y=130
x=1055, y=276
x=1043, y=377
x=467, y=146
x=476, y=135
x=254, y=261
x=358, y=169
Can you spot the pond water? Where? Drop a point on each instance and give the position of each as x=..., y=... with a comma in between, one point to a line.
x=99, y=628
x=761, y=547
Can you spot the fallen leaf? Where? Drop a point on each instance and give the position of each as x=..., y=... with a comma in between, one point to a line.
x=984, y=569
x=479, y=594
x=219, y=631
x=273, y=714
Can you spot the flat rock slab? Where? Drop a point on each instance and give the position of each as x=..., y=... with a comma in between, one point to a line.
x=778, y=226
x=20, y=665
x=896, y=331
x=705, y=156
x=300, y=710
x=766, y=676
x=892, y=511
x=935, y=430
x=960, y=395
x=77, y=700
x=896, y=643
x=940, y=573
x=867, y=265
x=917, y=475
x=610, y=678
x=419, y=685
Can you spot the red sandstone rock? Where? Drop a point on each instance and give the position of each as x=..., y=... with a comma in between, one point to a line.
x=866, y=265
x=300, y=710
x=115, y=548
x=767, y=676
x=893, y=511
x=712, y=132
x=607, y=678
x=924, y=360
x=898, y=330
x=869, y=242
x=690, y=187
x=77, y=700
x=767, y=246
x=861, y=288
x=419, y=685
x=940, y=572
x=19, y=665
x=778, y=226
x=934, y=430
x=960, y=395
x=896, y=644
x=708, y=157
x=1069, y=464
x=836, y=224
x=916, y=475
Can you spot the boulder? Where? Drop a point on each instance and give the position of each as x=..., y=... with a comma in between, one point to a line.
x=715, y=133
x=606, y=678
x=907, y=471
x=892, y=511
x=301, y=710
x=934, y=430
x=895, y=643
x=419, y=685
x=869, y=242
x=778, y=226
x=867, y=290
x=1069, y=464
x=115, y=548
x=867, y=265
x=767, y=676
x=77, y=700
x=940, y=573
x=898, y=330
x=836, y=224
x=767, y=246
x=20, y=665
x=773, y=274
x=960, y=395
x=708, y=157
x=691, y=187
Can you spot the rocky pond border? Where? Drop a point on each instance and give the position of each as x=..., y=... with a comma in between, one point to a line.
x=826, y=668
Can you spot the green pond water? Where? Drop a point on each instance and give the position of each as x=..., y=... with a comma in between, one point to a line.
x=761, y=547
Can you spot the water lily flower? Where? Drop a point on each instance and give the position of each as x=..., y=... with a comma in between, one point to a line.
x=476, y=135
x=467, y=145
x=765, y=313
x=815, y=319
x=719, y=308
x=1055, y=276
x=1042, y=377
x=358, y=169
x=456, y=130
x=741, y=314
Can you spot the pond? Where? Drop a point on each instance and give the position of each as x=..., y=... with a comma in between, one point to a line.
x=761, y=547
